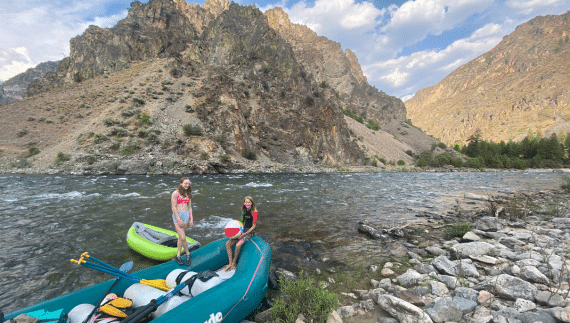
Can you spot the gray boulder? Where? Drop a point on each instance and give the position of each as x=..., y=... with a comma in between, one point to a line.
x=509, y=287
x=445, y=266
x=488, y=223
x=445, y=310
x=465, y=250
x=410, y=278
x=533, y=275
x=402, y=310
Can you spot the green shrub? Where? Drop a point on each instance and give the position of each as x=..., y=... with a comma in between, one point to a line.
x=401, y=162
x=190, y=130
x=110, y=122
x=442, y=145
x=99, y=138
x=188, y=108
x=22, y=132
x=137, y=102
x=459, y=229
x=249, y=154
x=373, y=125
x=119, y=132
x=204, y=155
x=22, y=163
x=61, y=157
x=143, y=118
x=33, y=151
x=131, y=148
x=302, y=296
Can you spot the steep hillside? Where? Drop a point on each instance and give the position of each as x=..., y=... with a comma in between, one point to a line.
x=522, y=84
x=202, y=89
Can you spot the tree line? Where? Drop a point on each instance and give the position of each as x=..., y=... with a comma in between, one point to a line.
x=534, y=151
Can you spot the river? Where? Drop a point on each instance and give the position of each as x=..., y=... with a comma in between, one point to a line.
x=45, y=220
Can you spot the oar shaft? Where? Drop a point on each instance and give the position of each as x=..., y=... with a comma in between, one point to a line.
x=114, y=273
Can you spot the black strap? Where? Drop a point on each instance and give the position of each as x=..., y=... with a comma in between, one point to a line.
x=178, y=279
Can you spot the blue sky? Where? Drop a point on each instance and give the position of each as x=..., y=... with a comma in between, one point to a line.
x=402, y=46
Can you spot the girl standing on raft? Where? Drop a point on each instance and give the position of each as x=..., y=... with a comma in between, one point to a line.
x=181, y=204
x=249, y=220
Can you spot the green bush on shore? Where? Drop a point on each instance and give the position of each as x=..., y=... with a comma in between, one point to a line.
x=303, y=296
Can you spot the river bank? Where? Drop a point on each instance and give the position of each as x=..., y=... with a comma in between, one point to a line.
x=512, y=267
x=129, y=166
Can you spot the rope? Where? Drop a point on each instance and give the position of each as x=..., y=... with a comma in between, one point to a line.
x=250, y=282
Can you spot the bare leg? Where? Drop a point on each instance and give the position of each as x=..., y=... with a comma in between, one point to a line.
x=238, y=248
x=229, y=245
x=181, y=239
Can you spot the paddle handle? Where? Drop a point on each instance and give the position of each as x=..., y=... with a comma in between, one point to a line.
x=141, y=312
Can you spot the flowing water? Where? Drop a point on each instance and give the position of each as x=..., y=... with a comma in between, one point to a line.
x=47, y=220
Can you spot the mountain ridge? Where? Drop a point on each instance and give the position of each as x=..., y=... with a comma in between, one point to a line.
x=520, y=85
x=219, y=86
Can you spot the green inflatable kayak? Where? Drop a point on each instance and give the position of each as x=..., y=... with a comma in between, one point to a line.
x=233, y=299
x=154, y=242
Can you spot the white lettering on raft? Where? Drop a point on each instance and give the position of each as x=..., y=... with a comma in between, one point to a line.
x=215, y=318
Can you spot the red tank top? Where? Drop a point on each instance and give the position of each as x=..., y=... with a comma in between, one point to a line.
x=182, y=200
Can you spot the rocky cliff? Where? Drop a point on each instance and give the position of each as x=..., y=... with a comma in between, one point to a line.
x=522, y=84
x=216, y=85
x=329, y=65
x=14, y=89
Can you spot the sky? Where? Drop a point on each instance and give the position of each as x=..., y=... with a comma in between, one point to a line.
x=401, y=45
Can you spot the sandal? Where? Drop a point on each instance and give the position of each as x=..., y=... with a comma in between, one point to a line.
x=179, y=260
x=188, y=260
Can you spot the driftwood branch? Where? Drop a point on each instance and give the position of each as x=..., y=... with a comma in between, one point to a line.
x=394, y=229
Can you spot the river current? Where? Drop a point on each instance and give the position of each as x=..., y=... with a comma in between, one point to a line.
x=45, y=220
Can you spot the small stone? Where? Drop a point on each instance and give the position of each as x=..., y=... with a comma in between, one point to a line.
x=470, y=236
x=387, y=272
x=523, y=305
x=485, y=298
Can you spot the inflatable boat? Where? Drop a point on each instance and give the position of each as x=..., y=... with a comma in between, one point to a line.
x=154, y=242
x=230, y=301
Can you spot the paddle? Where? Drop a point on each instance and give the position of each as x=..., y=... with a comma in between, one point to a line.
x=143, y=311
x=126, y=267
x=157, y=283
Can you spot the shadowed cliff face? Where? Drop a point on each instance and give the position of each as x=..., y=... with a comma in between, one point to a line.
x=519, y=85
x=261, y=98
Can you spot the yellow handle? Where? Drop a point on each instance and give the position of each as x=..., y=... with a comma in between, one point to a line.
x=79, y=262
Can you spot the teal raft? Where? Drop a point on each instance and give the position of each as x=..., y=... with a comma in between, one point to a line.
x=230, y=301
x=154, y=242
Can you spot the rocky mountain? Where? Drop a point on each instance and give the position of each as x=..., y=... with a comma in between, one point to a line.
x=521, y=85
x=215, y=86
x=14, y=89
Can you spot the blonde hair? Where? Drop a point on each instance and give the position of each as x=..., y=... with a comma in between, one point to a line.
x=243, y=209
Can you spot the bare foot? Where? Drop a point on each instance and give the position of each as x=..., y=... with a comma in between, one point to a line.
x=231, y=267
x=227, y=267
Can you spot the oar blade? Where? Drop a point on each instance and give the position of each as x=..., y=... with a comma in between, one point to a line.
x=156, y=283
x=126, y=267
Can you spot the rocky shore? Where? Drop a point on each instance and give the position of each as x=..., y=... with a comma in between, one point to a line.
x=513, y=267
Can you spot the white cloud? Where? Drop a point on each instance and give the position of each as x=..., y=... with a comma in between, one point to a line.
x=425, y=68
x=13, y=61
x=45, y=28
x=328, y=17
x=535, y=7
x=415, y=20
